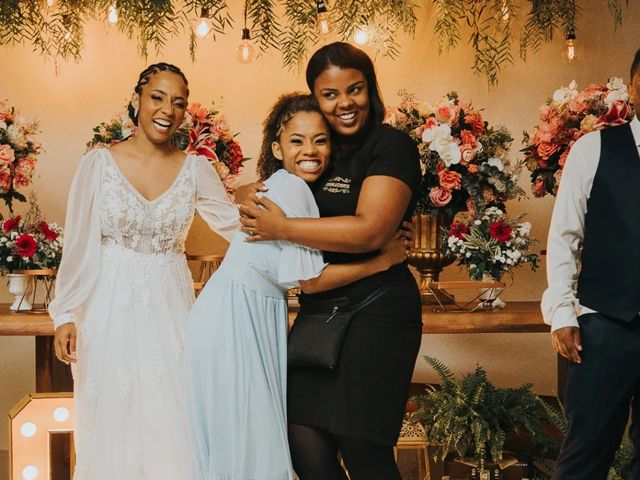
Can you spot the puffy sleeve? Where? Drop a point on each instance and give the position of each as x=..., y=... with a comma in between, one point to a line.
x=213, y=203
x=294, y=197
x=80, y=265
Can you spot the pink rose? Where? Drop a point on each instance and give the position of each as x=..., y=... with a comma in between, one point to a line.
x=6, y=111
x=5, y=178
x=220, y=127
x=7, y=155
x=545, y=132
x=563, y=158
x=439, y=196
x=469, y=153
x=26, y=166
x=545, y=150
x=538, y=188
x=20, y=181
x=450, y=180
x=445, y=112
x=543, y=112
x=617, y=115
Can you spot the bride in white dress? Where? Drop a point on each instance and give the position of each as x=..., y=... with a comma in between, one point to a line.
x=124, y=289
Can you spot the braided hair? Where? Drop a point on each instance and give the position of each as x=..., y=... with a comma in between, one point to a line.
x=284, y=109
x=146, y=74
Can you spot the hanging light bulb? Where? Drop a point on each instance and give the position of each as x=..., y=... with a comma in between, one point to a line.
x=68, y=37
x=203, y=25
x=361, y=36
x=245, y=52
x=50, y=3
x=323, y=23
x=112, y=16
x=569, y=52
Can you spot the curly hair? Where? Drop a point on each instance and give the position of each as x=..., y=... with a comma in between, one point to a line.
x=635, y=65
x=282, y=111
x=143, y=79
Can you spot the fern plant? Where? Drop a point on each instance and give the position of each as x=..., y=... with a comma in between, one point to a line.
x=473, y=418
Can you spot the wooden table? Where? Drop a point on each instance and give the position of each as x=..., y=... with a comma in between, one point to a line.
x=52, y=375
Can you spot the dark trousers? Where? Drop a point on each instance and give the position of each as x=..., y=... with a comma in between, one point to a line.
x=599, y=395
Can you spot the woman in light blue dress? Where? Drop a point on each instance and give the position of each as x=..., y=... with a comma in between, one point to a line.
x=237, y=330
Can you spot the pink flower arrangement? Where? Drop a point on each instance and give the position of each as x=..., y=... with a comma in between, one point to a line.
x=204, y=132
x=567, y=116
x=18, y=153
x=462, y=158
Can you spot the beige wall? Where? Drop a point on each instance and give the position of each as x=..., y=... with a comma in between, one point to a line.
x=69, y=103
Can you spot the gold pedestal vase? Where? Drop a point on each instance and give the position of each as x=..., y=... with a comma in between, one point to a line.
x=427, y=255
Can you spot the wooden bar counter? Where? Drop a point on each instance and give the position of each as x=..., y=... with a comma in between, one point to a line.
x=52, y=375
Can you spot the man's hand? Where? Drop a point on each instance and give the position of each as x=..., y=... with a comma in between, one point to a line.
x=567, y=343
x=65, y=343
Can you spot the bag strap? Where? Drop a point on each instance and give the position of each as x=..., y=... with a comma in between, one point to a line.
x=377, y=293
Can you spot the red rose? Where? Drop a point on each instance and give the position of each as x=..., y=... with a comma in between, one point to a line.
x=50, y=235
x=617, y=115
x=458, y=230
x=500, y=231
x=26, y=245
x=11, y=223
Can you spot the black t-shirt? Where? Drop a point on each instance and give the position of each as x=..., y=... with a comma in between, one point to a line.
x=382, y=151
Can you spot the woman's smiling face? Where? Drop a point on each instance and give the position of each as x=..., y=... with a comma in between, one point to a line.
x=343, y=96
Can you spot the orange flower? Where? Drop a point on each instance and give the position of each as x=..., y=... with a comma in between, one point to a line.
x=450, y=180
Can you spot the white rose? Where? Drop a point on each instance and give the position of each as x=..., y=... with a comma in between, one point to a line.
x=3, y=125
x=615, y=83
x=15, y=136
x=450, y=154
x=442, y=131
x=614, y=95
x=467, y=255
x=477, y=222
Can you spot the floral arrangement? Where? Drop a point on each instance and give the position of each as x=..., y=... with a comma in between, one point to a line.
x=18, y=153
x=29, y=244
x=491, y=243
x=204, y=132
x=567, y=116
x=462, y=157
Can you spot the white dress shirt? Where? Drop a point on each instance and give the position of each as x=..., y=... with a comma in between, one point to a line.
x=560, y=306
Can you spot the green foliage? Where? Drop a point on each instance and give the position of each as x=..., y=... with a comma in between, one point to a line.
x=473, y=418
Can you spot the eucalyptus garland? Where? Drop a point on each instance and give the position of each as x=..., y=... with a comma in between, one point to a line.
x=56, y=28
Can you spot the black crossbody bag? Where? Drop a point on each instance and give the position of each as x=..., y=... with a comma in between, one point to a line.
x=316, y=337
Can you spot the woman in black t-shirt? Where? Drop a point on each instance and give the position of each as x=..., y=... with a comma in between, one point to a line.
x=357, y=408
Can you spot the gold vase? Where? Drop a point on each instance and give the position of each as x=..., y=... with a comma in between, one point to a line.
x=427, y=254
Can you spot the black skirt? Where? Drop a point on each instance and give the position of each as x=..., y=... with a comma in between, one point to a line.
x=366, y=394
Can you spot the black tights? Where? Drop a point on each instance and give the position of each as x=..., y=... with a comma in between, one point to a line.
x=314, y=453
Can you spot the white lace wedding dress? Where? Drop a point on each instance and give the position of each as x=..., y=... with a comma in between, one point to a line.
x=124, y=281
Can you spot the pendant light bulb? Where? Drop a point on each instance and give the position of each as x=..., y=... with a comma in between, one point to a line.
x=246, y=52
x=203, y=24
x=113, y=14
x=569, y=52
x=323, y=22
x=361, y=36
x=50, y=3
x=505, y=12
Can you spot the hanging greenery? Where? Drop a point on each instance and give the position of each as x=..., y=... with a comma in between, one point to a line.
x=491, y=24
x=55, y=28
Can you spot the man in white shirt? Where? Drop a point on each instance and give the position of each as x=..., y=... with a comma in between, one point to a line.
x=594, y=311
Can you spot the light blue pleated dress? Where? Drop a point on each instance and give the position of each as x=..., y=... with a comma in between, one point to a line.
x=237, y=349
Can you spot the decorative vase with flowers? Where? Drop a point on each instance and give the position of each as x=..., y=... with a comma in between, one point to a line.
x=29, y=245
x=491, y=244
x=564, y=118
x=464, y=168
x=18, y=153
x=204, y=131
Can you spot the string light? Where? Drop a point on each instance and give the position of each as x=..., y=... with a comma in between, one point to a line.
x=504, y=10
x=323, y=23
x=245, y=52
x=50, y=3
x=203, y=26
x=113, y=14
x=361, y=36
x=569, y=52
